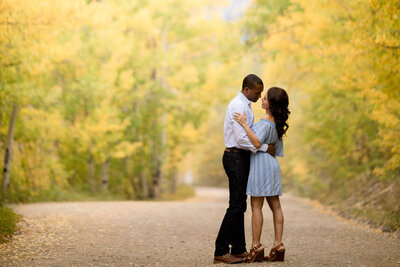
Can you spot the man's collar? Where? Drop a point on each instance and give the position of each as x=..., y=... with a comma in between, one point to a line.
x=244, y=98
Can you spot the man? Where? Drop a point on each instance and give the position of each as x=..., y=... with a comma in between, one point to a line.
x=236, y=161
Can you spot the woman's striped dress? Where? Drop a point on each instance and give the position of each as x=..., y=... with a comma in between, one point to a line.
x=265, y=173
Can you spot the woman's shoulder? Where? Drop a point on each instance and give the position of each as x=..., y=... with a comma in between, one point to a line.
x=263, y=126
x=267, y=123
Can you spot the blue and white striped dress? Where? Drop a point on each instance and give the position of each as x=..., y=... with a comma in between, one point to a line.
x=265, y=173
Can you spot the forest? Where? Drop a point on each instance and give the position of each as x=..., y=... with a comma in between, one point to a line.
x=120, y=99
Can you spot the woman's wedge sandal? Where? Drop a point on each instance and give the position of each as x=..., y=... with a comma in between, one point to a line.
x=256, y=254
x=277, y=253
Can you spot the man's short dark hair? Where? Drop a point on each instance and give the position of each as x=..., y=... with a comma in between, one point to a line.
x=250, y=81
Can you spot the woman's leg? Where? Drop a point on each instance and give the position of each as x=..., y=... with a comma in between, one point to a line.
x=276, y=209
x=256, y=219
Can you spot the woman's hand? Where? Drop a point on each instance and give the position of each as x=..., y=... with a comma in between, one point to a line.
x=241, y=119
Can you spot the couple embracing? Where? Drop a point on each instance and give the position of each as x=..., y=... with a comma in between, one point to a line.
x=252, y=168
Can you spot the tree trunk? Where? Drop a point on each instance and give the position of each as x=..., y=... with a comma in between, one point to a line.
x=8, y=156
x=156, y=182
x=133, y=179
x=1, y=122
x=145, y=185
x=156, y=170
x=90, y=164
x=173, y=181
x=137, y=193
x=159, y=152
x=104, y=174
x=163, y=152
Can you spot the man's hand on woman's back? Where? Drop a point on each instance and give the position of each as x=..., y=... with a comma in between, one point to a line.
x=271, y=150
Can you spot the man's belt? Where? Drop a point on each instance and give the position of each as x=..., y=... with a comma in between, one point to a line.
x=235, y=150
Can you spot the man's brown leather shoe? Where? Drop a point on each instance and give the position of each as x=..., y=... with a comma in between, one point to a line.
x=241, y=255
x=227, y=258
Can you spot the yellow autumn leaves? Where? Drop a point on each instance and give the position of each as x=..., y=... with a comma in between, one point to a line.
x=340, y=63
x=110, y=93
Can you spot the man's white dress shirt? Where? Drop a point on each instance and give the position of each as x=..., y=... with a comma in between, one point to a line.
x=234, y=134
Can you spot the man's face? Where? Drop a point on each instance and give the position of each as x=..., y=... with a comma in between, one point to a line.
x=253, y=94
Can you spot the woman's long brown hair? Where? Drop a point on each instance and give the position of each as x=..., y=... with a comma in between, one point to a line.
x=278, y=101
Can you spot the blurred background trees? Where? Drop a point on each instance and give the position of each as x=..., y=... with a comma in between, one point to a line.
x=339, y=61
x=109, y=95
x=127, y=98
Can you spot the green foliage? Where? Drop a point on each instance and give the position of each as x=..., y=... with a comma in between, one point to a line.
x=8, y=223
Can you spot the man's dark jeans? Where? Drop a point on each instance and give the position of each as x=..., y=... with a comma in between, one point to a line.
x=236, y=165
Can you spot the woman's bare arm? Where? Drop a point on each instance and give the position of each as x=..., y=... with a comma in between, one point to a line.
x=241, y=119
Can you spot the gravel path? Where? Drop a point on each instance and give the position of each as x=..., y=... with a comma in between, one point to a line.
x=132, y=233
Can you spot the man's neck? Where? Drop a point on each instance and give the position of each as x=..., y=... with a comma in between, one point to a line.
x=244, y=97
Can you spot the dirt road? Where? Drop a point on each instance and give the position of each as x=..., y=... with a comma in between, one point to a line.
x=132, y=233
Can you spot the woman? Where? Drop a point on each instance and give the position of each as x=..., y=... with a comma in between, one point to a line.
x=265, y=174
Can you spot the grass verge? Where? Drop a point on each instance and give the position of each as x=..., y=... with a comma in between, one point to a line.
x=373, y=203
x=182, y=192
x=8, y=223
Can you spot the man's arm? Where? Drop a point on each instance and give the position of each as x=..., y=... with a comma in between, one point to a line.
x=252, y=137
x=241, y=136
x=244, y=142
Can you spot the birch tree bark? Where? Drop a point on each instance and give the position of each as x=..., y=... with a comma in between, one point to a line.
x=8, y=155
